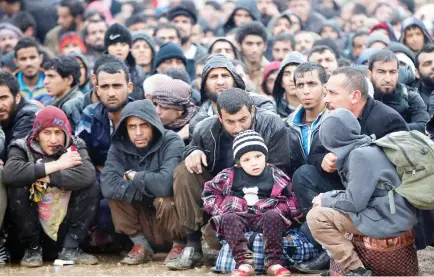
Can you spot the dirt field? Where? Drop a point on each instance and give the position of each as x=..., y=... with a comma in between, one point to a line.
x=109, y=266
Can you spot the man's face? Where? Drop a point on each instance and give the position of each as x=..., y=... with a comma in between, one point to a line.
x=282, y=26
x=309, y=90
x=7, y=103
x=51, y=138
x=288, y=79
x=55, y=84
x=414, y=38
x=64, y=17
x=300, y=7
x=271, y=79
x=28, y=61
x=8, y=41
x=120, y=50
x=224, y=48
x=329, y=32
x=184, y=24
x=384, y=13
x=337, y=95
x=359, y=44
x=95, y=34
x=140, y=131
x=169, y=64
x=238, y=122
x=426, y=68
x=218, y=80
x=384, y=76
x=253, y=48
x=168, y=35
x=263, y=5
x=303, y=42
x=142, y=52
x=357, y=22
x=242, y=17
x=281, y=49
x=327, y=59
x=167, y=115
x=113, y=90
x=138, y=27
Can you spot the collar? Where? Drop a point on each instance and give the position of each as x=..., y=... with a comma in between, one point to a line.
x=366, y=109
x=24, y=87
x=299, y=116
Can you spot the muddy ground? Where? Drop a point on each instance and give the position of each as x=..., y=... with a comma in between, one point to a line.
x=109, y=266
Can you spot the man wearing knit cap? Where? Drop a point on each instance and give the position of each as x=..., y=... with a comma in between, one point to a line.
x=174, y=105
x=51, y=164
x=169, y=56
x=377, y=40
x=118, y=42
x=143, y=50
x=9, y=37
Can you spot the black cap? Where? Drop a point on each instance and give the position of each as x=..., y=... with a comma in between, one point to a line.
x=183, y=10
x=117, y=33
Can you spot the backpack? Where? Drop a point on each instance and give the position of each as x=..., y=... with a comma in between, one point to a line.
x=413, y=155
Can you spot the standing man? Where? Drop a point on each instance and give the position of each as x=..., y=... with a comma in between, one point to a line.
x=424, y=63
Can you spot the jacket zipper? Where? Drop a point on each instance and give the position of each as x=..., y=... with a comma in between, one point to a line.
x=299, y=142
x=215, y=148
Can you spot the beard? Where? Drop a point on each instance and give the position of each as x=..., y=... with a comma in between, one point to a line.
x=427, y=81
x=378, y=89
x=184, y=40
x=212, y=96
x=117, y=108
x=96, y=48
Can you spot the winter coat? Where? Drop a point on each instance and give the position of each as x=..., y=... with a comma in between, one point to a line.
x=154, y=166
x=72, y=94
x=206, y=137
x=249, y=6
x=361, y=169
x=410, y=22
x=52, y=40
x=409, y=104
x=19, y=124
x=74, y=108
x=218, y=199
x=20, y=171
x=427, y=96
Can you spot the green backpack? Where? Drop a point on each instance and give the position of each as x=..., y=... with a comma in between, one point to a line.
x=413, y=155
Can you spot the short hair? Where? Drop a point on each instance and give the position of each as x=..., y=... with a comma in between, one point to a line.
x=359, y=34
x=178, y=74
x=320, y=49
x=167, y=26
x=113, y=68
x=242, y=64
x=427, y=48
x=104, y=59
x=66, y=66
x=285, y=37
x=26, y=43
x=233, y=100
x=9, y=80
x=359, y=9
x=343, y=62
x=89, y=13
x=76, y=8
x=24, y=20
x=310, y=67
x=355, y=80
x=384, y=55
x=86, y=27
x=253, y=28
x=134, y=19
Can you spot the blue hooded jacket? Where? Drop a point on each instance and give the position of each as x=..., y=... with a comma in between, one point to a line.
x=410, y=22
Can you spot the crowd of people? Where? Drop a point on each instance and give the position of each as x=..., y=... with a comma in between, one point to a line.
x=147, y=127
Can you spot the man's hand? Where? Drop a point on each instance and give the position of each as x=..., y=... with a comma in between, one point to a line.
x=68, y=160
x=317, y=200
x=130, y=175
x=45, y=179
x=194, y=162
x=329, y=163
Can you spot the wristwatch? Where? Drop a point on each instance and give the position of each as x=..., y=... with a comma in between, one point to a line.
x=126, y=174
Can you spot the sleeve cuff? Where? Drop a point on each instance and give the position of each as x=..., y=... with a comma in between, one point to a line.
x=56, y=178
x=40, y=170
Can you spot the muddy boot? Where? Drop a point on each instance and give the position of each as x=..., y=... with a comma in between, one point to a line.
x=174, y=253
x=137, y=255
x=189, y=258
x=32, y=257
x=78, y=256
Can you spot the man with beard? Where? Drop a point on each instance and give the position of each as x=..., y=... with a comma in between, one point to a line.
x=210, y=151
x=69, y=19
x=424, y=63
x=304, y=41
x=9, y=37
x=384, y=68
x=93, y=35
x=185, y=18
x=30, y=75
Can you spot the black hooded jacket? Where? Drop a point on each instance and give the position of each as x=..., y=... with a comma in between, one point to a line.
x=154, y=165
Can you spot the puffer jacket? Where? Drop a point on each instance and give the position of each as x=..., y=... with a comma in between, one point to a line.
x=74, y=108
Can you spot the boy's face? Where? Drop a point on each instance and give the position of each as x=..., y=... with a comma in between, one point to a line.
x=253, y=163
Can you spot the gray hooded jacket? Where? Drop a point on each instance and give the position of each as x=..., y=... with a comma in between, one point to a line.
x=361, y=167
x=248, y=5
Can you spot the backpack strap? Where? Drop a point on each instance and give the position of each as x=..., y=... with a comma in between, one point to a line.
x=390, y=191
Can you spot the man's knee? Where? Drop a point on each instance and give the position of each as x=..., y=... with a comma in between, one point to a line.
x=181, y=177
x=316, y=219
x=299, y=180
x=164, y=206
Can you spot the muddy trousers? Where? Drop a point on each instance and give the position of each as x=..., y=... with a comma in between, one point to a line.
x=328, y=227
x=270, y=224
x=24, y=216
x=158, y=222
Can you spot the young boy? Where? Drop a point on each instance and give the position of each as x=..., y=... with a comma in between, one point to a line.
x=252, y=196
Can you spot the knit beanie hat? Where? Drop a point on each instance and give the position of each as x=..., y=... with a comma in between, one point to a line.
x=183, y=10
x=117, y=33
x=6, y=28
x=168, y=51
x=248, y=141
x=377, y=36
x=149, y=40
x=71, y=37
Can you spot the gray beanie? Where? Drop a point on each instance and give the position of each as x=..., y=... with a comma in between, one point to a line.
x=377, y=36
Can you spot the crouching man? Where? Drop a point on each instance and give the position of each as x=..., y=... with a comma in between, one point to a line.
x=362, y=208
x=50, y=157
x=137, y=179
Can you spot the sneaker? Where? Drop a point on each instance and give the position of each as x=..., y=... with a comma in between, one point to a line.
x=314, y=266
x=137, y=255
x=32, y=257
x=4, y=254
x=188, y=259
x=361, y=271
x=278, y=270
x=78, y=256
x=244, y=270
x=174, y=253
